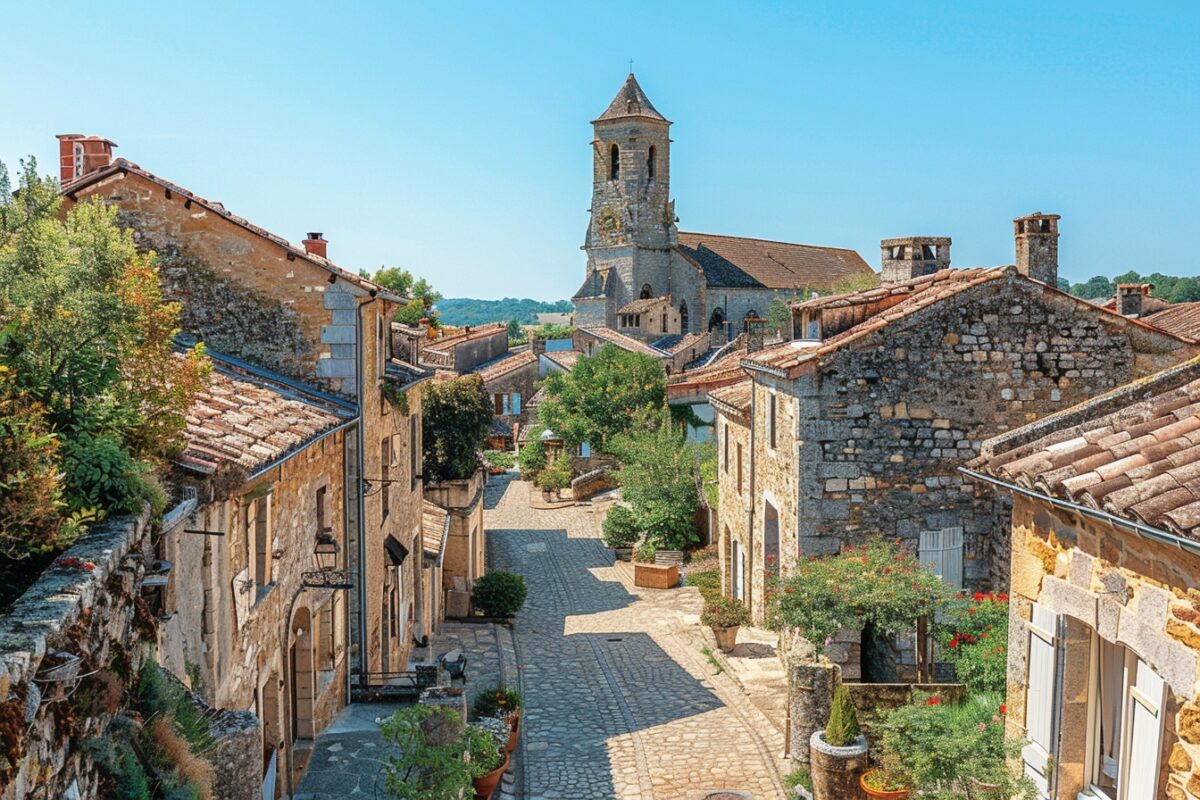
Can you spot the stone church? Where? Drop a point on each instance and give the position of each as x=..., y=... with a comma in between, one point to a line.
x=648, y=280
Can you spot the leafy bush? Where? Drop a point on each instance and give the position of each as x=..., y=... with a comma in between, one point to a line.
x=532, y=456
x=620, y=528
x=645, y=552
x=973, y=634
x=557, y=476
x=423, y=771
x=800, y=776
x=842, y=728
x=499, y=594
x=496, y=702
x=947, y=750
x=486, y=753
x=724, y=612
x=499, y=460
x=707, y=581
x=102, y=473
x=456, y=418
x=659, y=480
x=878, y=583
x=159, y=695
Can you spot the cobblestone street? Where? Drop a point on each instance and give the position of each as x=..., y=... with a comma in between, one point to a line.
x=620, y=700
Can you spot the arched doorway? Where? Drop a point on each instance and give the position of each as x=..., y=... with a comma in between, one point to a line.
x=683, y=317
x=302, y=685
x=717, y=320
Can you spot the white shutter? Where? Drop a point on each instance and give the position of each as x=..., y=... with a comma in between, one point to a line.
x=944, y=551
x=1041, y=698
x=1144, y=736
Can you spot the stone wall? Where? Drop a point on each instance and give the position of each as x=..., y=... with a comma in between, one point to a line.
x=873, y=701
x=519, y=380
x=464, y=556
x=1122, y=588
x=733, y=509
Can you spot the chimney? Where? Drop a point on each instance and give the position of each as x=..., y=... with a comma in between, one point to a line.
x=911, y=257
x=756, y=328
x=78, y=155
x=538, y=345
x=316, y=245
x=1130, y=297
x=1037, y=246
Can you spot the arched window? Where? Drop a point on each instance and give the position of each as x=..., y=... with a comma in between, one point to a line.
x=718, y=318
x=647, y=292
x=651, y=163
x=614, y=163
x=683, y=319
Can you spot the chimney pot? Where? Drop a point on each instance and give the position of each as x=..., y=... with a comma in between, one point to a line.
x=79, y=155
x=1037, y=246
x=316, y=244
x=911, y=257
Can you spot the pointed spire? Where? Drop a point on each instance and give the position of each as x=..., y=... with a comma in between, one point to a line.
x=631, y=101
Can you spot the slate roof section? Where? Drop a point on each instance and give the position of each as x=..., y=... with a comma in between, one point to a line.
x=624, y=342
x=247, y=420
x=734, y=399
x=1133, y=452
x=736, y=262
x=404, y=374
x=509, y=362
x=121, y=165
x=1181, y=319
x=872, y=310
x=630, y=101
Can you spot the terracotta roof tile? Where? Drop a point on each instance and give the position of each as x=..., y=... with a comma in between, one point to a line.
x=435, y=521
x=564, y=358
x=1181, y=319
x=499, y=367
x=447, y=343
x=643, y=305
x=1137, y=456
x=739, y=262
x=622, y=341
x=735, y=398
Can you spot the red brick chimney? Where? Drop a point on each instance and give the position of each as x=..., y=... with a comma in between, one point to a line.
x=78, y=155
x=316, y=245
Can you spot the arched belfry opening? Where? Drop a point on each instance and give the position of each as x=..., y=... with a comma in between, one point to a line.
x=683, y=317
x=614, y=163
x=647, y=292
x=718, y=318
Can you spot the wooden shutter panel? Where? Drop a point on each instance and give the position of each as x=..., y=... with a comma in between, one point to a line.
x=516, y=403
x=944, y=551
x=1041, y=699
x=1144, y=739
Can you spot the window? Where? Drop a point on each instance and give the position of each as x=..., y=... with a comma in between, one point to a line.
x=651, y=163
x=647, y=292
x=77, y=166
x=385, y=463
x=1041, y=697
x=413, y=449
x=683, y=317
x=771, y=420
x=1126, y=697
x=325, y=638
x=380, y=348
x=614, y=163
x=726, y=452
x=258, y=523
x=942, y=552
x=507, y=403
x=322, y=511
x=664, y=322
x=739, y=467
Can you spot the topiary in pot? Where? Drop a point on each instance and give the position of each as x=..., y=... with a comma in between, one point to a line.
x=620, y=528
x=839, y=753
x=499, y=594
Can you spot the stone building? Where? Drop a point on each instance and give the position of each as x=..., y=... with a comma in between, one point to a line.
x=857, y=429
x=463, y=552
x=698, y=282
x=264, y=302
x=1104, y=642
x=246, y=616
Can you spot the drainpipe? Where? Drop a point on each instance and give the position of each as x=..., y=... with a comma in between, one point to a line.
x=753, y=501
x=360, y=582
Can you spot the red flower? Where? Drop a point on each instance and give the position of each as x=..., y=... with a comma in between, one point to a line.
x=970, y=611
x=788, y=589
x=1003, y=708
x=977, y=597
x=933, y=701
x=1003, y=598
x=954, y=642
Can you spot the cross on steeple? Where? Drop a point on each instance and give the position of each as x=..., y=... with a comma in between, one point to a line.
x=631, y=66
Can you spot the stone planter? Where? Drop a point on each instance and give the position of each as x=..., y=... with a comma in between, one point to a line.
x=836, y=770
x=880, y=794
x=655, y=576
x=486, y=785
x=623, y=553
x=726, y=637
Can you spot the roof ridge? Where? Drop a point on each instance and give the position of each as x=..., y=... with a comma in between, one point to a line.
x=768, y=241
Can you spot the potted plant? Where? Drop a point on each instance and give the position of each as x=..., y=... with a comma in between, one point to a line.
x=725, y=615
x=554, y=478
x=497, y=702
x=487, y=759
x=621, y=532
x=649, y=575
x=838, y=754
x=888, y=781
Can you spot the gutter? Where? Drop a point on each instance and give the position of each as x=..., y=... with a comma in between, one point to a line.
x=1137, y=528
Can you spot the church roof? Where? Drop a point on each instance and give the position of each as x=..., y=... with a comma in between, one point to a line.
x=736, y=262
x=631, y=101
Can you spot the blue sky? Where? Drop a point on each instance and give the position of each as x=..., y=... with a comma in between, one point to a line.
x=452, y=139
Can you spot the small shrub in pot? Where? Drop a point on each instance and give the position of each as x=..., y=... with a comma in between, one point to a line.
x=620, y=528
x=499, y=594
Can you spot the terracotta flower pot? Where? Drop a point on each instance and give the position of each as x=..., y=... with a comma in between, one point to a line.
x=895, y=794
x=514, y=734
x=726, y=637
x=486, y=785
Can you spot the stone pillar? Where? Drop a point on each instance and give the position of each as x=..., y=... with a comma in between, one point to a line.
x=810, y=694
x=236, y=755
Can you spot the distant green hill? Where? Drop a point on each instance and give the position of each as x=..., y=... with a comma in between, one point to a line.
x=467, y=311
x=1173, y=289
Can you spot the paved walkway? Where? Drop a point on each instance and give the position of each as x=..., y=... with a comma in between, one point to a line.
x=620, y=702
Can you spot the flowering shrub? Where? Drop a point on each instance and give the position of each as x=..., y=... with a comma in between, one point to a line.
x=973, y=634
x=724, y=612
x=497, y=702
x=879, y=583
x=951, y=751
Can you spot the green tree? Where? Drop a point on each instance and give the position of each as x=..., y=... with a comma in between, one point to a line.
x=516, y=334
x=858, y=283
x=398, y=280
x=659, y=479
x=457, y=415
x=602, y=396
x=1096, y=287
